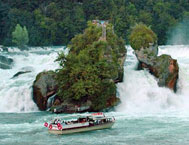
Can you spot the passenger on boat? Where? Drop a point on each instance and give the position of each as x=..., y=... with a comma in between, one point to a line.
x=56, y=121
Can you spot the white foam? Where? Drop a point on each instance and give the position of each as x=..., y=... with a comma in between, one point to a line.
x=140, y=93
x=16, y=93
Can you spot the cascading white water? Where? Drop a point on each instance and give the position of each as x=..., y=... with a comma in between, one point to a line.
x=147, y=115
x=140, y=93
x=16, y=93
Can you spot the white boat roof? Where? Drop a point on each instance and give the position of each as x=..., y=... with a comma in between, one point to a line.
x=95, y=116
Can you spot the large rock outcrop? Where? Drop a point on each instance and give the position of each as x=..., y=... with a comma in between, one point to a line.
x=44, y=87
x=165, y=69
x=87, y=75
x=144, y=42
x=97, y=56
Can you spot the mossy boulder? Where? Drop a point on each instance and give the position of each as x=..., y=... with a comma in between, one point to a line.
x=144, y=41
x=167, y=71
x=44, y=86
x=142, y=37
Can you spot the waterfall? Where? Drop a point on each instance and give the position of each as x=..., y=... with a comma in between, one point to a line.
x=16, y=93
x=140, y=93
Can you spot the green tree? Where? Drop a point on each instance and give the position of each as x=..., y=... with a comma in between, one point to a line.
x=163, y=20
x=145, y=17
x=141, y=36
x=57, y=22
x=20, y=36
x=89, y=70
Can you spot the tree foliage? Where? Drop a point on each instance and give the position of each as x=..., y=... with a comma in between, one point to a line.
x=141, y=36
x=20, y=36
x=56, y=22
x=87, y=72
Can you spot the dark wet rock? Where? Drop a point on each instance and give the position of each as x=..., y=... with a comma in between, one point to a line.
x=20, y=73
x=113, y=101
x=113, y=54
x=4, y=48
x=5, y=66
x=144, y=42
x=67, y=107
x=167, y=71
x=44, y=87
x=44, y=95
x=163, y=67
x=23, y=70
x=5, y=63
x=147, y=55
x=120, y=75
x=51, y=101
x=57, y=101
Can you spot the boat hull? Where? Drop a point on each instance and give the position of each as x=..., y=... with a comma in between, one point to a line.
x=82, y=129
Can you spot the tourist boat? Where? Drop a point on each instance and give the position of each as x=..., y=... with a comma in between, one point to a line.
x=91, y=122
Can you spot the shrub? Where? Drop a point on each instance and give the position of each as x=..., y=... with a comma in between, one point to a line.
x=141, y=36
x=20, y=36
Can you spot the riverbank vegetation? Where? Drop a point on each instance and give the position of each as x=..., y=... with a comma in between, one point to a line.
x=56, y=22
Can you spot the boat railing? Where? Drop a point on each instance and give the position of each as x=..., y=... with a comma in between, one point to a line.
x=90, y=120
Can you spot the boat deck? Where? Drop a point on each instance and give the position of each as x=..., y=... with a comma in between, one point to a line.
x=82, y=128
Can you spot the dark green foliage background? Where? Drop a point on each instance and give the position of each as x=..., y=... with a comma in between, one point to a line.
x=55, y=22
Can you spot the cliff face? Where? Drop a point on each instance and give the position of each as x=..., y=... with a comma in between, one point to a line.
x=87, y=75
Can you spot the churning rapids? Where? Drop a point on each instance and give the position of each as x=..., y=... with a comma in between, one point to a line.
x=147, y=115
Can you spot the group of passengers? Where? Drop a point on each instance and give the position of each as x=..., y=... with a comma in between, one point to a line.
x=80, y=120
x=83, y=120
x=96, y=122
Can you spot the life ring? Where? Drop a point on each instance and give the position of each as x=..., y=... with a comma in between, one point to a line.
x=50, y=126
x=60, y=127
x=46, y=124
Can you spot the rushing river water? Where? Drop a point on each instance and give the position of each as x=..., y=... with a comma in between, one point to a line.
x=148, y=114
